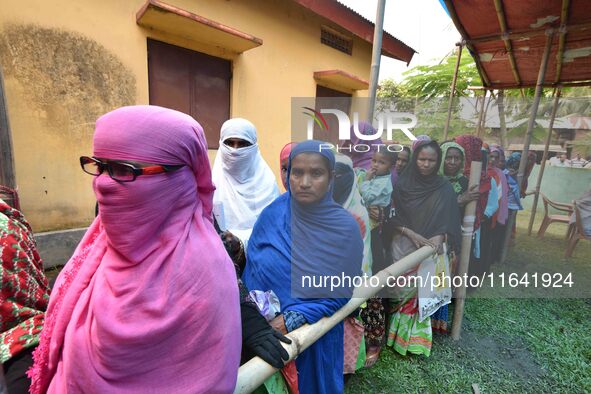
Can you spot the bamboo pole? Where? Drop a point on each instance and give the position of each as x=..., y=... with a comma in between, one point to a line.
x=486, y=107
x=508, y=231
x=501, y=105
x=543, y=163
x=376, y=56
x=480, y=114
x=534, y=109
x=254, y=373
x=562, y=39
x=467, y=232
x=449, y=4
x=453, y=91
x=506, y=40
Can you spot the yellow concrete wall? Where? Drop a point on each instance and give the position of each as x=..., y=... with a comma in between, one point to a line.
x=67, y=62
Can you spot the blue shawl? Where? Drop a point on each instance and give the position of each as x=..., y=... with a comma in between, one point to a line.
x=290, y=240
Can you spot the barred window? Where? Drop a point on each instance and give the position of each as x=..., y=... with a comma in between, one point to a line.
x=336, y=40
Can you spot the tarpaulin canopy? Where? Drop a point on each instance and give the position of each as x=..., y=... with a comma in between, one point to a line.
x=507, y=40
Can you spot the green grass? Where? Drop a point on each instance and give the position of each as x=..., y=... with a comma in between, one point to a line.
x=508, y=345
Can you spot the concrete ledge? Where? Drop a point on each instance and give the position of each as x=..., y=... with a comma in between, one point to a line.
x=56, y=247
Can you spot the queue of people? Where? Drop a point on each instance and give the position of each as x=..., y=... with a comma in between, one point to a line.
x=157, y=297
x=575, y=162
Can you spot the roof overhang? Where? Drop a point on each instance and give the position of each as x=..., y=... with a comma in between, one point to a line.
x=176, y=21
x=341, y=79
x=354, y=23
x=507, y=40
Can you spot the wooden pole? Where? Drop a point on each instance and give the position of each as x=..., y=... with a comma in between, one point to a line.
x=453, y=91
x=501, y=105
x=375, y=58
x=486, y=107
x=480, y=114
x=534, y=109
x=254, y=373
x=508, y=232
x=543, y=163
x=467, y=232
x=6, y=159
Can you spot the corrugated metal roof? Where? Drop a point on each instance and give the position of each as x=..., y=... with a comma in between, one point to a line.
x=500, y=34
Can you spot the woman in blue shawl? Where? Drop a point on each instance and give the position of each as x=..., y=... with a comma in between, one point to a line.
x=304, y=232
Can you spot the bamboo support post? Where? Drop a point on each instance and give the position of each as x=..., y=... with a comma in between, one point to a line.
x=480, y=114
x=486, y=107
x=503, y=125
x=506, y=40
x=254, y=373
x=543, y=163
x=467, y=232
x=453, y=91
x=534, y=109
x=508, y=232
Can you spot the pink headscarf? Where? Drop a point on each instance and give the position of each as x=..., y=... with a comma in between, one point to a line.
x=149, y=300
x=285, y=151
x=503, y=211
x=283, y=156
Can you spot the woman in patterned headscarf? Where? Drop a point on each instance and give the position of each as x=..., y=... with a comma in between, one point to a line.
x=23, y=299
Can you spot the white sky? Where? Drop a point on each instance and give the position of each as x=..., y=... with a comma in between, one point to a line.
x=422, y=24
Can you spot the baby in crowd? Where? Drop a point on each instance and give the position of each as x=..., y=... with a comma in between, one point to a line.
x=375, y=184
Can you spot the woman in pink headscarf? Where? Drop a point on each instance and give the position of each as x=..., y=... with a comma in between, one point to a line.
x=149, y=301
x=284, y=161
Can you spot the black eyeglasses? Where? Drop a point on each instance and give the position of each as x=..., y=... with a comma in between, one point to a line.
x=122, y=172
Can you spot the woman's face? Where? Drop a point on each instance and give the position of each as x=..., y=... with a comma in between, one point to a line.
x=453, y=161
x=427, y=161
x=309, y=178
x=402, y=161
x=236, y=143
x=493, y=159
x=502, y=162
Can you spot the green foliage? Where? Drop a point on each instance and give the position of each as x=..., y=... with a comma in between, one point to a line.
x=425, y=91
x=435, y=80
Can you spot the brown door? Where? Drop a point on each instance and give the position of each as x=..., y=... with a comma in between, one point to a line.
x=330, y=99
x=191, y=82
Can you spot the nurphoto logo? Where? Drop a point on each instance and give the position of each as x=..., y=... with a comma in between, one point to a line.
x=388, y=122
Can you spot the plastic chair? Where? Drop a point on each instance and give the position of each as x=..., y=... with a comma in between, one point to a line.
x=578, y=233
x=549, y=219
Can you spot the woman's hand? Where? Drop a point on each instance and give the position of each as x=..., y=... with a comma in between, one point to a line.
x=261, y=339
x=278, y=323
x=375, y=213
x=471, y=194
x=438, y=242
x=417, y=239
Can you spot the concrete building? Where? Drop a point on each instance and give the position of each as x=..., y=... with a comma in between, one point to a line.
x=66, y=62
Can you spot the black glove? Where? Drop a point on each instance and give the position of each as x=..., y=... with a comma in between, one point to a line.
x=260, y=338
